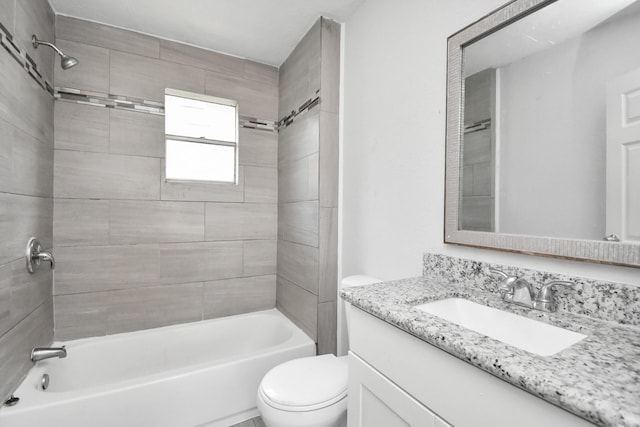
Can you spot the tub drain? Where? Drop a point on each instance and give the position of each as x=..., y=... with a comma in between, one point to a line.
x=44, y=382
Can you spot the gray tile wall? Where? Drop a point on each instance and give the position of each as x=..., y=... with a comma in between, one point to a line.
x=308, y=186
x=134, y=251
x=26, y=191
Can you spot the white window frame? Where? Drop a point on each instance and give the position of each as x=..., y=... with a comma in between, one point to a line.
x=202, y=140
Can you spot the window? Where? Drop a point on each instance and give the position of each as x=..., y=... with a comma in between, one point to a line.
x=201, y=134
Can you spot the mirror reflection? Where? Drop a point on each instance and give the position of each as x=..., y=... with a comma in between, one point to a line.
x=551, y=142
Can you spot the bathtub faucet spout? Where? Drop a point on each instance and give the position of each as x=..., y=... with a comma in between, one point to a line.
x=41, y=353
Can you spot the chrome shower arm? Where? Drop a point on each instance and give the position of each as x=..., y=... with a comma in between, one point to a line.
x=35, y=42
x=66, y=61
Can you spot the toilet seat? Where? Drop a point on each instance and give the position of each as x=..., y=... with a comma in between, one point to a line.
x=305, y=384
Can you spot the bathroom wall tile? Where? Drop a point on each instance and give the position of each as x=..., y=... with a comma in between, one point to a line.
x=260, y=185
x=32, y=167
x=154, y=222
x=329, y=160
x=330, y=66
x=36, y=17
x=201, y=58
x=298, y=264
x=22, y=217
x=147, y=78
x=301, y=138
x=99, y=268
x=236, y=296
x=327, y=327
x=21, y=292
x=7, y=14
x=78, y=222
x=199, y=261
x=26, y=164
x=299, y=305
x=106, y=176
x=254, y=98
x=95, y=34
x=259, y=257
x=298, y=222
x=476, y=212
x=153, y=307
x=29, y=291
x=136, y=134
x=80, y=315
x=201, y=191
x=6, y=276
x=298, y=179
x=478, y=148
x=258, y=147
x=300, y=73
x=91, y=73
x=81, y=127
x=7, y=136
x=328, y=255
x=240, y=221
x=15, y=346
x=25, y=105
x=263, y=73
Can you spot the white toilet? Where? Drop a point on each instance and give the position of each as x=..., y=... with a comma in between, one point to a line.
x=310, y=391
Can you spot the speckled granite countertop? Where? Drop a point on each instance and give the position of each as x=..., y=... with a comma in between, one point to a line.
x=597, y=379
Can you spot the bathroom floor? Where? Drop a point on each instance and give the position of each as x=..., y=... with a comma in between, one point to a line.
x=253, y=422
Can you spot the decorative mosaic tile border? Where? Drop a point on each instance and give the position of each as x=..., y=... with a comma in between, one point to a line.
x=305, y=107
x=98, y=99
x=120, y=102
x=610, y=301
x=23, y=58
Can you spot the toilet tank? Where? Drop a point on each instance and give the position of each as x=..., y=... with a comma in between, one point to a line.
x=357, y=280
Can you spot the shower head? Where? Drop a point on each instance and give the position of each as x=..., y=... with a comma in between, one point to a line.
x=66, y=61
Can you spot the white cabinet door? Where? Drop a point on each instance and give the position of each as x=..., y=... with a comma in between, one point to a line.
x=374, y=401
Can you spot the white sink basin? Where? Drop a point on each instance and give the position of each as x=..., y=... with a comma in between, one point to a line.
x=521, y=332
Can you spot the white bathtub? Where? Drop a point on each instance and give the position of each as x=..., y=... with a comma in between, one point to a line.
x=198, y=374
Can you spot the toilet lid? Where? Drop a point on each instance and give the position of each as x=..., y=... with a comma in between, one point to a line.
x=306, y=384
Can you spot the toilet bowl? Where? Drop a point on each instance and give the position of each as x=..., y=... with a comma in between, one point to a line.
x=310, y=391
x=305, y=392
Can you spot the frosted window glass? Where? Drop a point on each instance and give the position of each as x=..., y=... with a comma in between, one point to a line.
x=199, y=119
x=196, y=161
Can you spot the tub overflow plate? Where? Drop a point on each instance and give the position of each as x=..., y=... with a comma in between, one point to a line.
x=44, y=382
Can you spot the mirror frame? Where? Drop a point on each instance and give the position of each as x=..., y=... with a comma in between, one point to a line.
x=604, y=252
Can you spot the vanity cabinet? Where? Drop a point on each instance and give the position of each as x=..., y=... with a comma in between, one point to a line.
x=375, y=401
x=396, y=379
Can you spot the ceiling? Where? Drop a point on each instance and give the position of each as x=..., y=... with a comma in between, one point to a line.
x=261, y=30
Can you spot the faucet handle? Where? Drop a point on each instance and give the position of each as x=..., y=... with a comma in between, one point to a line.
x=545, y=294
x=34, y=255
x=507, y=280
x=545, y=300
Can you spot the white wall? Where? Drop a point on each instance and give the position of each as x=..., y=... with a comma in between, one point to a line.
x=394, y=142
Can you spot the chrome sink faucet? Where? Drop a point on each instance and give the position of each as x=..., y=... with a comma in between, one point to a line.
x=41, y=353
x=518, y=290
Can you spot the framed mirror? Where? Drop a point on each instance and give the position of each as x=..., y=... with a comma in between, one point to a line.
x=543, y=131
